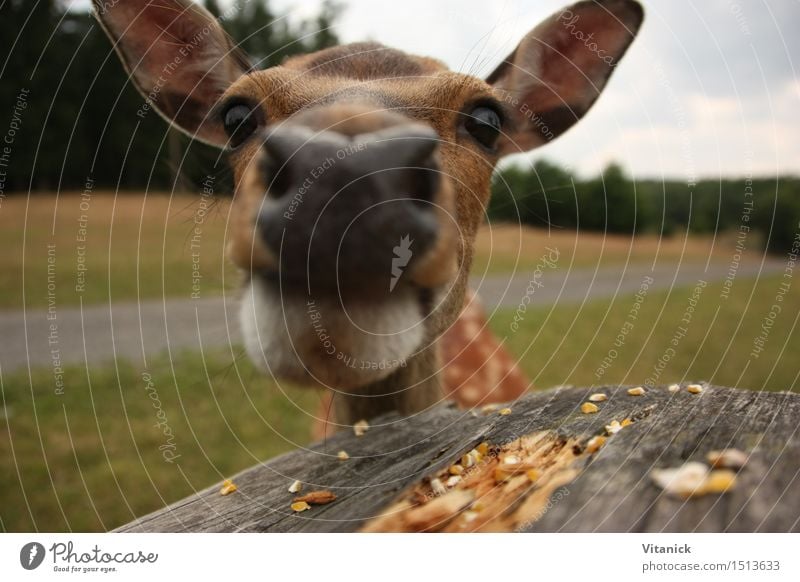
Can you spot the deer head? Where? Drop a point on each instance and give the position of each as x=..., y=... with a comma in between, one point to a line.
x=362, y=174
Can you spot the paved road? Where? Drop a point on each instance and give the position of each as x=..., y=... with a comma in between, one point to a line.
x=134, y=331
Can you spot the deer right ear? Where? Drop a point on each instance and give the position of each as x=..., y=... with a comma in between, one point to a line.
x=559, y=69
x=178, y=57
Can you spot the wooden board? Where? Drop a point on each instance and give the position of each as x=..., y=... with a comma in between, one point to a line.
x=608, y=490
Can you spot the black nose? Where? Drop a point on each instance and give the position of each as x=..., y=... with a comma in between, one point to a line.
x=341, y=212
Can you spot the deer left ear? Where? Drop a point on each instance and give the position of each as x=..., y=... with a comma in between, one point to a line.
x=559, y=69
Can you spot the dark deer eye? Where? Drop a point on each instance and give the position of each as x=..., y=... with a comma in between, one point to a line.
x=240, y=122
x=483, y=123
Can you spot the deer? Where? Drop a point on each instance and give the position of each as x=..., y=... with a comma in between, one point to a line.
x=362, y=174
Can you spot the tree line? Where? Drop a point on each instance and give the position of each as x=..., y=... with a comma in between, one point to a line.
x=545, y=194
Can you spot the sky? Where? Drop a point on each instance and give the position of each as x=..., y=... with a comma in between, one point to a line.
x=709, y=88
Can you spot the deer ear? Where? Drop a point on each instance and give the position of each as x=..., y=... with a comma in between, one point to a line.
x=558, y=70
x=178, y=57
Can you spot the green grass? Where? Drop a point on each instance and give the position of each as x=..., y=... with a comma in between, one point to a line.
x=567, y=344
x=90, y=459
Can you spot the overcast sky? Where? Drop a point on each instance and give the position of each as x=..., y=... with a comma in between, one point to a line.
x=709, y=88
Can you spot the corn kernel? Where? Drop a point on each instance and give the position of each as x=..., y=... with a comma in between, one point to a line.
x=638, y=391
x=483, y=448
x=228, y=487
x=599, y=397
x=342, y=455
x=595, y=443
x=614, y=427
x=453, y=481
x=719, y=481
x=299, y=506
x=437, y=487
x=674, y=387
x=589, y=408
x=456, y=469
x=295, y=487
x=510, y=460
x=361, y=427
x=504, y=411
x=489, y=408
x=626, y=422
x=533, y=475
x=727, y=459
x=694, y=388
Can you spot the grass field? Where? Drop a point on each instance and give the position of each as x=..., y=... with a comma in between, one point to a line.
x=140, y=247
x=90, y=460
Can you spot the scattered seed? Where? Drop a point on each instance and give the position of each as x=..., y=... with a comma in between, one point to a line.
x=483, y=448
x=342, y=455
x=595, y=443
x=589, y=408
x=614, y=427
x=638, y=391
x=453, y=481
x=437, y=487
x=626, y=422
x=694, y=388
x=727, y=459
x=471, y=459
x=361, y=427
x=674, y=387
x=295, y=487
x=456, y=469
x=299, y=506
x=719, y=481
x=316, y=497
x=504, y=411
x=683, y=481
x=228, y=487
x=533, y=475
x=511, y=460
x=599, y=397
x=489, y=408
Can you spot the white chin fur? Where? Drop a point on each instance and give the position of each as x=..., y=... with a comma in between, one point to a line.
x=293, y=338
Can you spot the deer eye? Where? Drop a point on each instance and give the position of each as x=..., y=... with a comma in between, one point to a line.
x=240, y=121
x=483, y=123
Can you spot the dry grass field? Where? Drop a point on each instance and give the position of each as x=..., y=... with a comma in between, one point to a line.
x=144, y=247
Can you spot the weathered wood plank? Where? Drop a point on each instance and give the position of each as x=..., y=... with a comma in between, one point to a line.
x=612, y=492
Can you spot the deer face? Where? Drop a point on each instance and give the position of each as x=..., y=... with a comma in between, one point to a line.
x=362, y=172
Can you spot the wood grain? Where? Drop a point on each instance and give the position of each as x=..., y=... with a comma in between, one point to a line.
x=612, y=490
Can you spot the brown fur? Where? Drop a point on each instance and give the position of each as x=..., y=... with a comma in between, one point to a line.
x=364, y=87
